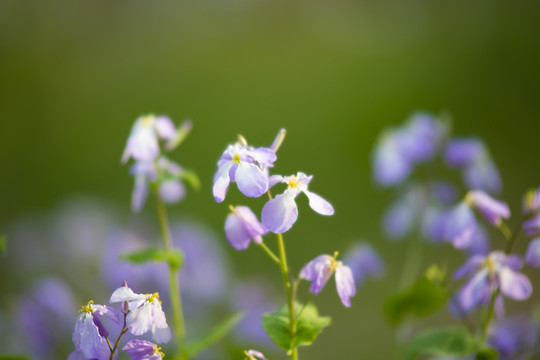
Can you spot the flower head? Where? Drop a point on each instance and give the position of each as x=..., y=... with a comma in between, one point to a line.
x=489, y=273
x=145, y=313
x=492, y=210
x=513, y=335
x=460, y=225
x=280, y=213
x=242, y=226
x=319, y=270
x=254, y=355
x=143, y=142
x=143, y=350
x=246, y=166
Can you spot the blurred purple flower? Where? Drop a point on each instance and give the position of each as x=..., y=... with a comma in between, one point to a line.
x=363, y=262
x=513, y=337
x=143, y=350
x=531, y=202
x=532, y=226
x=246, y=166
x=241, y=226
x=489, y=273
x=145, y=313
x=532, y=257
x=403, y=214
x=480, y=244
x=280, y=213
x=319, y=270
x=479, y=171
x=460, y=225
x=143, y=142
x=492, y=210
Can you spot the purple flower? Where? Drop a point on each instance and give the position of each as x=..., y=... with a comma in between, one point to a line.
x=254, y=355
x=143, y=350
x=489, y=273
x=492, y=210
x=246, y=166
x=460, y=226
x=479, y=171
x=389, y=164
x=145, y=313
x=280, y=213
x=532, y=257
x=402, y=215
x=363, y=262
x=531, y=202
x=163, y=171
x=143, y=142
x=242, y=226
x=480, y=244
x=513, y=335
x=90, y=335
x=532, y=226
x=319, y=270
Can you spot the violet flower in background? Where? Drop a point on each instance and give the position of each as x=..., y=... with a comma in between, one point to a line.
x=492, y=210
x=143, y=350
x=242, y=226
x=531, y=202
x=487, y=274
x=364, y=262
x=246, y=166
x=514, y=337
x=143, y=141
x=532, y=257
x=319, y=270
x=254, y=355
x=479, y=170
x=280, y=213
x=404, y=213
x=532, y=226
x=460, y=225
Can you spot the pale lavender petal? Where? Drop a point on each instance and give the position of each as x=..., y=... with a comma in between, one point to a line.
x=165, y=128
x=90, y=343
x=236, y=233
x=363, y=261
x=124, y=293
x=533, y=253
x=474, y=291
x=514, y=285
x=141, y=350
x=513, y=334
x=161, y=335
x=470, y=266
x=483, y=175
x=310, y=271
x=461, y=152
x=402, y=215
x=532, y=226
x=434, y=223
x=514, y=262
x=158, y=316
x=460, y=226
x=140, y=193
x=221, y=182
x=251, y=223
x=345, y=284
x=492, y=210
x=142, y=144
x=323, y=274
x=390, y=167
x=275, y=179
x=172, y=191
x=421, y=137
x=76, y=355
x=480, y=244
x=139, y=320
x=318, y=204
x=256, y=355
x=280, y=213
x=251, y=180
x=263, y=156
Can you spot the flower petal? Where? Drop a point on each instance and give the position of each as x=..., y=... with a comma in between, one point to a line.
x=470, y=266
x=140, y=193
x=310, y=271
x=221, y=181
x=514, y=284
x=251, y=181
x=318, y=204
x=345, y=284
x=474, y=291
x=139, y=320
x=236, y=233
x=124, y=293
x=172, y=191
x=280, y=213
x=165, y=127
x=533, y=253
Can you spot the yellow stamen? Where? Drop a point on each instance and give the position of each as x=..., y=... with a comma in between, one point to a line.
x=469, y=199
x=236, y=158
x=152, y=297
x=148, y=120
x=335, y=263
x=293, y=182
x=87, y=308
x=490, y=264
x=157, y=350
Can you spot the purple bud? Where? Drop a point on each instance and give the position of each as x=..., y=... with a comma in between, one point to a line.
x=242, y=226
x=532, y=226
x=492, y=210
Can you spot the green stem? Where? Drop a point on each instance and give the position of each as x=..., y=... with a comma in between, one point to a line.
x=287, y=284
x=270, y=253
x=124, y=330
x=176, y=300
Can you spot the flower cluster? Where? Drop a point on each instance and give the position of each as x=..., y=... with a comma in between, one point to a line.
x=152, y=168
x=139, y=314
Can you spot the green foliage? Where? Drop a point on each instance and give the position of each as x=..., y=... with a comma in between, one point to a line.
x=175, y=257
x=308, y=326
x=422, y=298
x=191, y=178
x=216, y=334
x=452, y=342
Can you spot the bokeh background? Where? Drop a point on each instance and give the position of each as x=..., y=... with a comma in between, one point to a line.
x=74, y=75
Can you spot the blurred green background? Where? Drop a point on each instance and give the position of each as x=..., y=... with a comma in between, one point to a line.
x=74, y=75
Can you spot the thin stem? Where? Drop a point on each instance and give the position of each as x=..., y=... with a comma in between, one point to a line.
x=270, y=253
x=505, y=230
x=124, y=330
x=514, y=238
x=176, y=300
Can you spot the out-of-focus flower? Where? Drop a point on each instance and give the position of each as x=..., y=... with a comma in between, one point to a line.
x=363, y=262
x=280, y=213
x=246, y=166
x=90, y=334
x=403, y=214
x=254, y=355
x=319, y=270
x=532, y=226
x=492, y=210
x=145, y=313
x=513, y=337
x=398, y=150
x=242, y=226
x=460, y=225
x=143, y=350
x=479, y=170
x=143, y=142
x=489, y=273
x=531, y=202
x=532, y=257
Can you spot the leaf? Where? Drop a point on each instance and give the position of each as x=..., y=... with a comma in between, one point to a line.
x=422, y=298
x=216, y=334
x=191, y=178
x=308, y=326
x=453, y=341
x=175, y=257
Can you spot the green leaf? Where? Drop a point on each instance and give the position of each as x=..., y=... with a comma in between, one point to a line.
x=191, y=178
x=216, y=334
x=422, y=298
x=308, y=326
x=453, y=341
x=175, y=257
